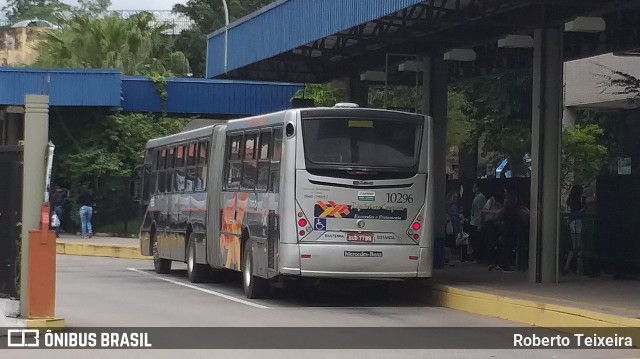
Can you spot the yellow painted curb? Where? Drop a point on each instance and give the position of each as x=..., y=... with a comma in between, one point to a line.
x=99, y=250
x=45, y=323
x=524, y=311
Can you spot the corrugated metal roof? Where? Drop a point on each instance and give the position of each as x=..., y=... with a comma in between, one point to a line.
x=288, y=24
x=65, y=87
x=201, y=96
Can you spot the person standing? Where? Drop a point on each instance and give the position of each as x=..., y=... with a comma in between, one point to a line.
x=574, y=202
x=509, y=216
x=490, y=223
x=85, y=201
x=477, y=242
x=58, y=199
x=454, y=226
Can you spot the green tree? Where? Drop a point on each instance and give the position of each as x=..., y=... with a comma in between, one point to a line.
x=499, y=110
x=50, y=10
x=135, y=45
x=208, y=16
x=101, y=144
x=102, y=150
x=94, y=8
x=321, y=94
x=459, y=128
x=583, y=155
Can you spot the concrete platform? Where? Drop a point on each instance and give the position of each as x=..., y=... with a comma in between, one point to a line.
x=100, y=246
x=577, y=301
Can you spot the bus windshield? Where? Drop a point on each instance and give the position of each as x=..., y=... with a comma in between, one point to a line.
x=344, y=143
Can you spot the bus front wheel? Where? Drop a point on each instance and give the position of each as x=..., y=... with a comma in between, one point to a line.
x=254, y=286
x=160, y=265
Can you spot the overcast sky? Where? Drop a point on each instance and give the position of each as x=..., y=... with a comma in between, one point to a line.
x=130, y=4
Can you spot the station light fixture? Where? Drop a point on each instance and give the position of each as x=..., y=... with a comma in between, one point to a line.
x=586, y=24
x=516, y=42
x=410, y=66
x=465, y=55
x=374, y=76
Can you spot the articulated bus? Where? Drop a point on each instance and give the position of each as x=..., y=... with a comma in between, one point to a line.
x=319, y=192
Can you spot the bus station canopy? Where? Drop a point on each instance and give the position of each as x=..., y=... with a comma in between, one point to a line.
x=318, y=41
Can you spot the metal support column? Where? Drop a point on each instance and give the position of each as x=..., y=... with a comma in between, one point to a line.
x=546, y=155
x=36, y=140
x=435, y=103
x=357, y=91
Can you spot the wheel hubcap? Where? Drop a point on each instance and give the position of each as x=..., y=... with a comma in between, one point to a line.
x=247, y=271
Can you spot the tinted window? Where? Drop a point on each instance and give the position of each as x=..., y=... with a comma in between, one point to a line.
x=191, y=154
x=170, y=157
x=265, y=144
x=361, y=142
x=190, y=180
x=250, y=146
x=180, y=156
x=203, y=153
x=262, y=183
x=234, y=147
x=163, y=158
x=277, y=144
x=179, y=180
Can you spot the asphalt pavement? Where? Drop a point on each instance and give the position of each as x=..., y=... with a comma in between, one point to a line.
x=108, y=292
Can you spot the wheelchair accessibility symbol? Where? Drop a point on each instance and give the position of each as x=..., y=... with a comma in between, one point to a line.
x=320, y=224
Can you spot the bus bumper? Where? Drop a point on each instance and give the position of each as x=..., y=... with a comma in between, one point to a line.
x=355, y=261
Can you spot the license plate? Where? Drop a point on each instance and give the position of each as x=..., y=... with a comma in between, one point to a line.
x=360, y=237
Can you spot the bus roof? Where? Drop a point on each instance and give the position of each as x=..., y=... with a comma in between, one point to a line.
x=182, y=136
x=277, y=118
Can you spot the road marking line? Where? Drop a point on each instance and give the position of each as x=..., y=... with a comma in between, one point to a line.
x=208, y=291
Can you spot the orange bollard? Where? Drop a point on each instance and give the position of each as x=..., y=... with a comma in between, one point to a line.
x=41, y=289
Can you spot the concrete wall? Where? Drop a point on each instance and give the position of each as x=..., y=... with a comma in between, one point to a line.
x=17, y=45
x=585, y=85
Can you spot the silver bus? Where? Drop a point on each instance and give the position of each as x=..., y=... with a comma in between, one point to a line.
x=319, y=192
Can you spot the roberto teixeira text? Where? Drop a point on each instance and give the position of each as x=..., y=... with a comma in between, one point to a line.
x=577, y=340
x=31, y=338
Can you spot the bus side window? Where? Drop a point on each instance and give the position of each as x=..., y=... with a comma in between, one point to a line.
x=276, y=155
x=203, y=163
x=191, y=167
x=153, y=181
x=249, y=165
x=170, y=165
x=234, y=162
x=264, y=157
x=162, y=175
x=179, y=173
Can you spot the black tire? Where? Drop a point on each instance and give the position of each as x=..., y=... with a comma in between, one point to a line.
x=160, y=265
x=254, y=287
x=197, y=272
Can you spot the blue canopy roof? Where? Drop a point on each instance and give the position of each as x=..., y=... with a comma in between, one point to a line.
x=108, y=88
x=288, y=24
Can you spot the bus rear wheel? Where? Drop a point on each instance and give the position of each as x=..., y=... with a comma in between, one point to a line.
x=197, y=272
x=160, y=265
x=254, y=286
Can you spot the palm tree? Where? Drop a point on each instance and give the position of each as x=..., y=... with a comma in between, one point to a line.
x=136, y=45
